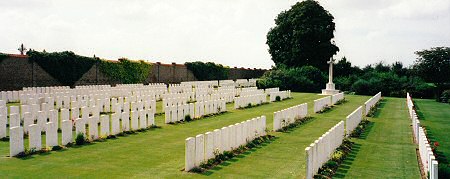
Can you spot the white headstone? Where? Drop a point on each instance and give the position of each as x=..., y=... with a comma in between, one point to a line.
x=80, y=126
x=189, y=160
x=51, y=134
x=125, y=121
x=34, y=137
x=66, y=129
x=3, y=121
x=115, y=123
x=134, y=120
x=93, y=128
x=142, y=119
x=104, y=125
x=209, y=145
x=14, y=120
x=199, y=149
x=15, y=141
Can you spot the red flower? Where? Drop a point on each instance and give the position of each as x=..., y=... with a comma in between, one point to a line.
x=436, y=144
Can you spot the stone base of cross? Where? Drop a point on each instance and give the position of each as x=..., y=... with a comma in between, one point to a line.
x=330, y=90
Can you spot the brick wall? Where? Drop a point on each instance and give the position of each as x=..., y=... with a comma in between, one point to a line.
x=17, y=72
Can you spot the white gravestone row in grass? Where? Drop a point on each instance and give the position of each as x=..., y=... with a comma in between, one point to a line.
x=203, y=147
x=194, y=110
x=226, y=83
x=320, y=104
x=196, y=84
x=287, y=116
x=426, y=154
x=227, y=95
x=45, y=113
x=244, y=101
x=139, y=119
x=281, y=94
x=250, y=91
x=369, y=104
x=321, y=150
x=353, y=120
x=336, y=98
x=10, y=96
x=270, y=90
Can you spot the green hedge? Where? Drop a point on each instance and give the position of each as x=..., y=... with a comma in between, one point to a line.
x=208, y=71
x=126, y=71
x=3, y=56
x=297, y=79
x=66, y=67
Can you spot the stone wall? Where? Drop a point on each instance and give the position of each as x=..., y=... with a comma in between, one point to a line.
x=17, y=72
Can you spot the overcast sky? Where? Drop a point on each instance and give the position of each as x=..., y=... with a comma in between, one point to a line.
x=230, y=32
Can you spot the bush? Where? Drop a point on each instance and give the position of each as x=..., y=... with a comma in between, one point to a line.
x=187, y=118
x=208, y=71
x=278, y=98
x=80, y=139
x=300, y=79
x=445, y=96
x=3, y=56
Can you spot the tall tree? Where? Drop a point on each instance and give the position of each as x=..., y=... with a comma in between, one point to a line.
x=302, y=36
x=434, y=66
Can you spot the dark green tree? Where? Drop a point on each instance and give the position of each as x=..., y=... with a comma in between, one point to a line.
x=302, y=36
x=433, y=66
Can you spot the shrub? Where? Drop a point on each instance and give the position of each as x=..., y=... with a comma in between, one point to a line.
x=304, y=79
x=445, y=96
x=187, y=118
x=278, y=98
x=57, y=147
x=80, y=139
x=3, y=56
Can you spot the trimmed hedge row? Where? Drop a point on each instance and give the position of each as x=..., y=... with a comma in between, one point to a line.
x=208, y=71
x=66, y=67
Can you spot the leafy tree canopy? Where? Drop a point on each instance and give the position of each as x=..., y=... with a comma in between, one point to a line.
x=434, y=65
x=302, y=36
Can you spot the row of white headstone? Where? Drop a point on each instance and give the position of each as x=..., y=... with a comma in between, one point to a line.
x=288, y=116
x=244, y=101
x=205, y=146
x=320, y=104
x=194, y=110
x=429, y=162
x=269, y=90
x=250, y=91
x=353, y=120
x=281, y=94
x=369, y=104
x=118, y=122
x=336, y=98
x=321, y=149
x=47, y=111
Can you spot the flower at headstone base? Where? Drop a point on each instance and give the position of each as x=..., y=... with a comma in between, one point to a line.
x=436, y=144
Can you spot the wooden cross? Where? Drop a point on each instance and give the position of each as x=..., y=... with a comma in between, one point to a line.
x=22, y=49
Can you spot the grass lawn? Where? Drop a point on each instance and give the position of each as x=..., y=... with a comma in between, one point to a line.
x=435, y=117
x=159, y=153
x=386, y=149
